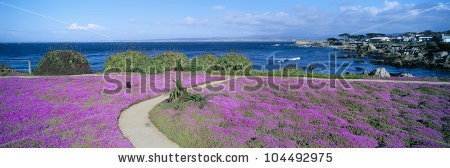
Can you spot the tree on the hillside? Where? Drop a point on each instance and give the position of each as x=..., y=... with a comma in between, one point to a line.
x=372, y=35
x=409, y=34
x=345, y=36
x=332, y=39
x=357, y=37
x=428, y=33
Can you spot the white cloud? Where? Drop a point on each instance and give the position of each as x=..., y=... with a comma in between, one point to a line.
x=442, y=6
x=189, y=20
x=90, y=26
x=263, y=19
x=94, y=26
x=372, y=10
x=218, y=7
x=74, y=26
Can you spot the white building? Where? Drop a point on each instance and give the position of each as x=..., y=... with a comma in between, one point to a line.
x=446, y=38
x=379, y=39
x=425, y=39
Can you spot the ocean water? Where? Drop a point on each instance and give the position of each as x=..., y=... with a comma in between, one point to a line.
x=258, y=52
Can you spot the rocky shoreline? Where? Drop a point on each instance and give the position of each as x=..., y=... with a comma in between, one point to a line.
x=405, y=55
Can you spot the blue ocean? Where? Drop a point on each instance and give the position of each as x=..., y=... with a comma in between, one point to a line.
x=258, y=52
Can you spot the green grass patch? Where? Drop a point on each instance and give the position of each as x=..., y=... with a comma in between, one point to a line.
x=312, y=98
x=400, y=93
x=173, y=128
x=352, y=105
x=430, y=91
x=54, y=121
x=286, y=73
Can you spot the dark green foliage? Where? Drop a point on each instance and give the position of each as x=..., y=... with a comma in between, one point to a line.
x=352, y=106
x=413, y=143
x=428, y=124
x=255, y=143
x=173, y=61
x=371, y=35
x=182, y=95
x=381, y=142
x=5, y=70
x=155, y=65
x=63, y=62
x=234, y=61
x=375, y=124
x=443, y=46
x=399, y=92
x=196, y=97
x=137, y=62
x=178, y=92
x=432, y=47
x=205, y=62
x=429, y=91
x=331, y=39
x=446, y=129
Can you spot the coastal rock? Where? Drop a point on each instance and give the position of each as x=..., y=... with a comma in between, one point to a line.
x=381, y=72
x=397, y=62
x=406, y=55
x=406, y=75
x=447, y=62
x=372, y=47
x=419, y=55
x=365, y=72
x=444, y=53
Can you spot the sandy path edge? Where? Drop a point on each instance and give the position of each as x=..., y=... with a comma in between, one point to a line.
x=135, y=124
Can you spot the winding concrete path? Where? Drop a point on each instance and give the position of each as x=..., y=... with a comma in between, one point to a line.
x=135, y=124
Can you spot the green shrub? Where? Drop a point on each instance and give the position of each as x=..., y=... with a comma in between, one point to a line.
x=195, y=97
x=443, y=46
x=205, y=62
x=117, y=62
x=155, y=65
x=5, y=70
x=174, y=61
x=234, y=61
x=63, y=62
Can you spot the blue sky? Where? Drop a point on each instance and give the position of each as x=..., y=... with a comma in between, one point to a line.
x=101, y=20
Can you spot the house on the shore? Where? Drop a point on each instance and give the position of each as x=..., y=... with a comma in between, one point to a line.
x=379, y=39
x=446, y=38
x=397, y=39
x=404, y=38
x=425, y=39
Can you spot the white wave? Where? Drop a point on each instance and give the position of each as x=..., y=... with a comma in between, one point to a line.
x=294, y=59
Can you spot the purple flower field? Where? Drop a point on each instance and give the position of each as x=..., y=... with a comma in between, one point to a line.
x=73, y=111
x=367, y=115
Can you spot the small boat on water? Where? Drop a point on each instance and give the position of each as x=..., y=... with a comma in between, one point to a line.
x=288, y=60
